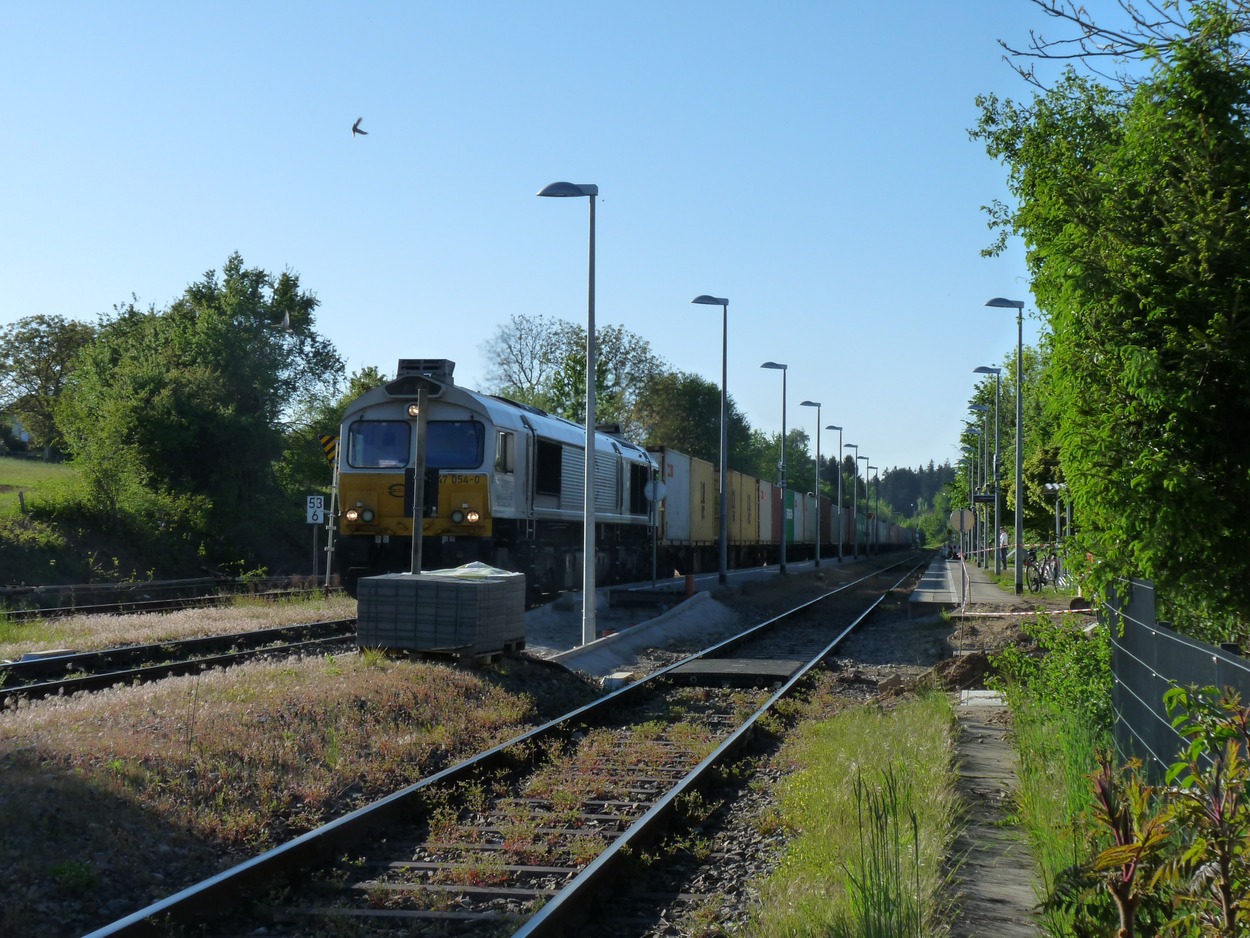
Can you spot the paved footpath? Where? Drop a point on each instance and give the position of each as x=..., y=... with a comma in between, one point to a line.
x=996, y=876
x=996, y=873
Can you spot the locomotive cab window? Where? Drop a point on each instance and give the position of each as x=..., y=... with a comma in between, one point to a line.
x=454, y=444
x=505, y=451
x=378, y=444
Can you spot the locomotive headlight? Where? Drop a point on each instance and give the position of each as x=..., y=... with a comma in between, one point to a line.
x=352, y=515
x=367, y=515
x=473, y=517
x=413, y=410
x=359, y=514
x=457, y=516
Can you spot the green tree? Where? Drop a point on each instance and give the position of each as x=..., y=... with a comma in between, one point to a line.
x=1133, y=207
x=192, y=401
x=36, y=358
x=542, y=362
x=682, y=410
x=524, y=355
x=304, y=466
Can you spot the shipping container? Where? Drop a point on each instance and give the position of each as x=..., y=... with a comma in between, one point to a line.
x=675, y=509
x=768, y=532
x=704, y=500
x=810, y=507
x=743, y=497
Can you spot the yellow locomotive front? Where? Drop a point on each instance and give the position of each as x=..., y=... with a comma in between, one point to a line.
x=384, y=439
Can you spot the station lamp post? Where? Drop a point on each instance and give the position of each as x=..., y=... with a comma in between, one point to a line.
x=817, y=406
x=971, y=453
x=998, y=467
x=782, y=468
x=854, y=500
x=841, y=526
x=873, y=540
x=567, y=190
x=723, y=303
x=985, y=471
x=999, y=302
x=867, y=538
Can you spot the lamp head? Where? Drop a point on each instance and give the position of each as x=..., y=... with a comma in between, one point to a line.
x=774, y=365
x=986, y=370
x=1003, y=303
x=808, y=404
x=563, y=190
x=704, y=299
x=832, y=427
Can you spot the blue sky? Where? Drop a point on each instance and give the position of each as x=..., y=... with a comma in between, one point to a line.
x=808, y=160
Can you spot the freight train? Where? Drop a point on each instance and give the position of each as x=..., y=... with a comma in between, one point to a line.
x=501, y=482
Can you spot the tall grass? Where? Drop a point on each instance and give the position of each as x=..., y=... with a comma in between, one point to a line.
x=1057, y=750
x=27, y=476
x=91, y=632
x=1061, y=709
x=875, y=812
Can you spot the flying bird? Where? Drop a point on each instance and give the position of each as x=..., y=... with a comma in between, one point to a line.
x=356, y=128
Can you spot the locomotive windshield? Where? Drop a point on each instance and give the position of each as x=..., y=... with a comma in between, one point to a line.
x=454, y=444
x=378, y=444
x=385, y=444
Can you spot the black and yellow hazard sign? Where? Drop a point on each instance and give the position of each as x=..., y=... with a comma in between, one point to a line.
x=330, y=445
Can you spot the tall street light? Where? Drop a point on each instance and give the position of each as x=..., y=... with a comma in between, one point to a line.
x=841, y=526
x=817, y=406
x=985, y=472
x=998, y=468
x=874, y=546
x=723, y=303
x=971, y=453
x=867, y=533
x=783, y=369
x=854, y=500
x=999, y=302
x=567, y=190
x=971, y=449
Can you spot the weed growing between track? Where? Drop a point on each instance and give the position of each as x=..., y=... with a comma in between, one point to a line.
x=875, y=813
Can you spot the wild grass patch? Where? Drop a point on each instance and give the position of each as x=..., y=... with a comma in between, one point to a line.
x=256, y=753
x=91, y=632
x=874, y=812
x=23, y=478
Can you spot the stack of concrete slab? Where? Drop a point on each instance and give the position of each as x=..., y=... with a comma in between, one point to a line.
x=467, y=611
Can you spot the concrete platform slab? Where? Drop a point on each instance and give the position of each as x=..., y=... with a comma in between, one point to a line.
x=751, y=671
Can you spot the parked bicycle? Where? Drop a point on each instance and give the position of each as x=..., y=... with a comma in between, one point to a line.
x=1043, y=571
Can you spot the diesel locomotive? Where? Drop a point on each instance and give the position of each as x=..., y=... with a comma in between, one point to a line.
x=501, y=482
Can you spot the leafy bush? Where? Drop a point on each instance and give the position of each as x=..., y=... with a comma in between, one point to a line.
x=1172, y=859
x=1072, y=672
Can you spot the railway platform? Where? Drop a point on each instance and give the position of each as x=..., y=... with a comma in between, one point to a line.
x=953, y=584
x=631, y=619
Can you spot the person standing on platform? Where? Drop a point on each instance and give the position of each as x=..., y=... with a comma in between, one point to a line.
x=1003, y=541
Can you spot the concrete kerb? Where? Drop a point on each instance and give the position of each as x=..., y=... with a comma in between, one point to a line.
x=612, y=652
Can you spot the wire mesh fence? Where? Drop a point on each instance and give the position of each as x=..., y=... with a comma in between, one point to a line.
x=1148, y=657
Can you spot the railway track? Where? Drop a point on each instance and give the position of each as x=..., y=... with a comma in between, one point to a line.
x=526, y=837
x=71, y=672
x=35, y=603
